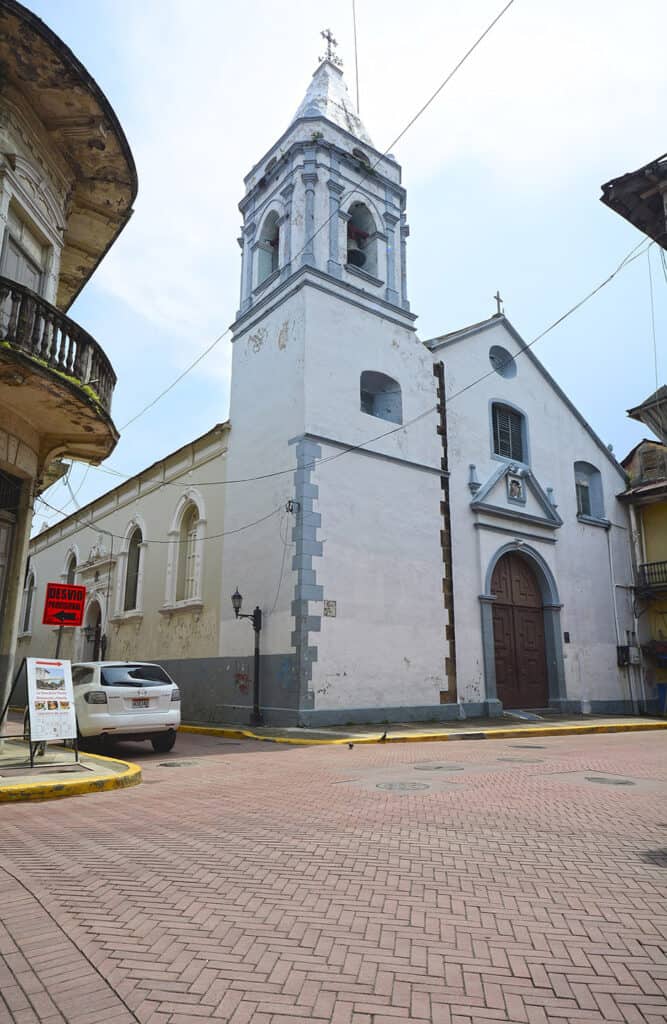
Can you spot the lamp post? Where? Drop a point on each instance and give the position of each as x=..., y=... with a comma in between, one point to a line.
x=256, y=619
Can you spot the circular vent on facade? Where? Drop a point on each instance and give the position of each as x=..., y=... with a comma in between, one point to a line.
x=502, y=361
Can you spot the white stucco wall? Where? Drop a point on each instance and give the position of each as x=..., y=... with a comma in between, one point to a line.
x=592, y=605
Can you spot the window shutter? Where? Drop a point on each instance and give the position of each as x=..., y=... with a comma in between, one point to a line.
x=507, y=433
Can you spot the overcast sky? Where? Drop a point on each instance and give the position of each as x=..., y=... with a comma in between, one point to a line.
x=503, y=173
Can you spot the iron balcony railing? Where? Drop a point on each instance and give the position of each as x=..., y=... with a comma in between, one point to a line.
x=652, y=574
x=37, y=329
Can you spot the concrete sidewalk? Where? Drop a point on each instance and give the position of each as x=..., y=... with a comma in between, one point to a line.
x=57, y=774
x=419, y=732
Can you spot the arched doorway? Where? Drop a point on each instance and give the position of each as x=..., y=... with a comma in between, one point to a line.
x=92, y=633
x=518, y=634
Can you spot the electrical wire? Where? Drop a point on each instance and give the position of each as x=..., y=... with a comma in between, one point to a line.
x=334, y=213
x=94, y=525
x=284, y=521
x=655, y=344
x=629, y=258
x=635, y=253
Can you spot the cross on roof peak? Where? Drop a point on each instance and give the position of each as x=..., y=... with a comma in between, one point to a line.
x=332, y=43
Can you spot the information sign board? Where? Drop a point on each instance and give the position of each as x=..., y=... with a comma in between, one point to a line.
x=63, y=605
x=50, y=699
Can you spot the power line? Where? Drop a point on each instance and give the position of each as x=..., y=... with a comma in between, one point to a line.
x=325, y=223
x=94, y=525
x=634, y=254
x=655, y=346
x=629, y=258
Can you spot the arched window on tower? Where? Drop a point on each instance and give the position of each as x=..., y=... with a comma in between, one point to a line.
x=132, y=570
x=268, y=250
x=362, y=240
x=381, y=396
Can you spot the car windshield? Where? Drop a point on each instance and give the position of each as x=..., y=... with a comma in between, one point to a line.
x=134, y=675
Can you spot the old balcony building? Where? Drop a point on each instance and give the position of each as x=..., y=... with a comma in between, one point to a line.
x=67, y=185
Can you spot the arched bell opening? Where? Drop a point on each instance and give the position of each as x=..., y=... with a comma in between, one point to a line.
x=362, y=240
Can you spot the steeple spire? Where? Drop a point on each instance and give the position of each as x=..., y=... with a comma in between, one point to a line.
x=327, y=95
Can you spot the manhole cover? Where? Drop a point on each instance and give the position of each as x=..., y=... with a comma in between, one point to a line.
x=402, y=787
x=176, y=764
x=609, y=782
x=527, y=746
x=438, y=768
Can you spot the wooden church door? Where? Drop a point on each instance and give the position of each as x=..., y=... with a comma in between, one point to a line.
x=518, y=633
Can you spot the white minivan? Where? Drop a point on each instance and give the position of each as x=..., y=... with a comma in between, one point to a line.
x=129, y=699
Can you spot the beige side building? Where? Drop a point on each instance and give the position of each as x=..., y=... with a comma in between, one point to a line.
x=149, y=554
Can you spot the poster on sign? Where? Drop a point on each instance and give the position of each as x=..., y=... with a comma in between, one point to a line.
x=50, y=699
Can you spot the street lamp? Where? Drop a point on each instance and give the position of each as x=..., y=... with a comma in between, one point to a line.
x=256, y=619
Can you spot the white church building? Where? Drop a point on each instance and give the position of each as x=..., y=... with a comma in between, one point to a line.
x=422, y=548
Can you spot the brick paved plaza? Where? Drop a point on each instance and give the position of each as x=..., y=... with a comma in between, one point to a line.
x=515, y=880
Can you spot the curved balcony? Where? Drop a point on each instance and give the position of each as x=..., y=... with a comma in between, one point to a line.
x=54, y=376
x=42, y=332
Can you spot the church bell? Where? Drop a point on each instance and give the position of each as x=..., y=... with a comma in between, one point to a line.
x=355, y=254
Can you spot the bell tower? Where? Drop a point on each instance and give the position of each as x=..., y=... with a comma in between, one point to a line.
x=326, y=369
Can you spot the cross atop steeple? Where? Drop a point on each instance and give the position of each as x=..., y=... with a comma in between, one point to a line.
x=330, y=55
x=499, y=303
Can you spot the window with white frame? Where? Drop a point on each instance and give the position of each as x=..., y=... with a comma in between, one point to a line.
x=187, y=583
x=132, y=568
x=28, y=602
x=588, y=489
x=509, y=432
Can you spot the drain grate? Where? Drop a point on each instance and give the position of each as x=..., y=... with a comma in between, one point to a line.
x=402, y=787
x=438, y=768
x=176, y=764
x=527, y=746
x=609, y=782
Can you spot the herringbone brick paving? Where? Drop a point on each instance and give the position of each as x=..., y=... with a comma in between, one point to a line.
x=263, y=885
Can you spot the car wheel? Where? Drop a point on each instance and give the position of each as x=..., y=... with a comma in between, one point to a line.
x=163, y=741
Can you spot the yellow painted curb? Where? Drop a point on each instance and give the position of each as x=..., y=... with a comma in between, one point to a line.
x=431, y=737
x=74, y=787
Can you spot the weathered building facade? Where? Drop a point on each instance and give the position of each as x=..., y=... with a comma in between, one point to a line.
x=67, y=184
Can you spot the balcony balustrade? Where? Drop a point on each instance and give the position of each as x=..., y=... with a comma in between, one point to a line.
x=39, y=330
x=652, y=575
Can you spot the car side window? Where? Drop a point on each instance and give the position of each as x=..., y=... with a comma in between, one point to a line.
x=82, y=676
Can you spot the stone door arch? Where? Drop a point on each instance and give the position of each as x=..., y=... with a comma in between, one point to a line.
x=518, y=634
x=526, y=585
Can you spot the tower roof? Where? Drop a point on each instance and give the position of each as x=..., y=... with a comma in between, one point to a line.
x=327, y=97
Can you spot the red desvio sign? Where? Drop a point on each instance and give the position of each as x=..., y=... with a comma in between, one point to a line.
x=63, y=605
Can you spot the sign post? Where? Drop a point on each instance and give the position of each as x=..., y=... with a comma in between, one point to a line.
x=63, y=606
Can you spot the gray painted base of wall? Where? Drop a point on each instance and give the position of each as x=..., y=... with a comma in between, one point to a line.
x=220, y=690
x=603, y=707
